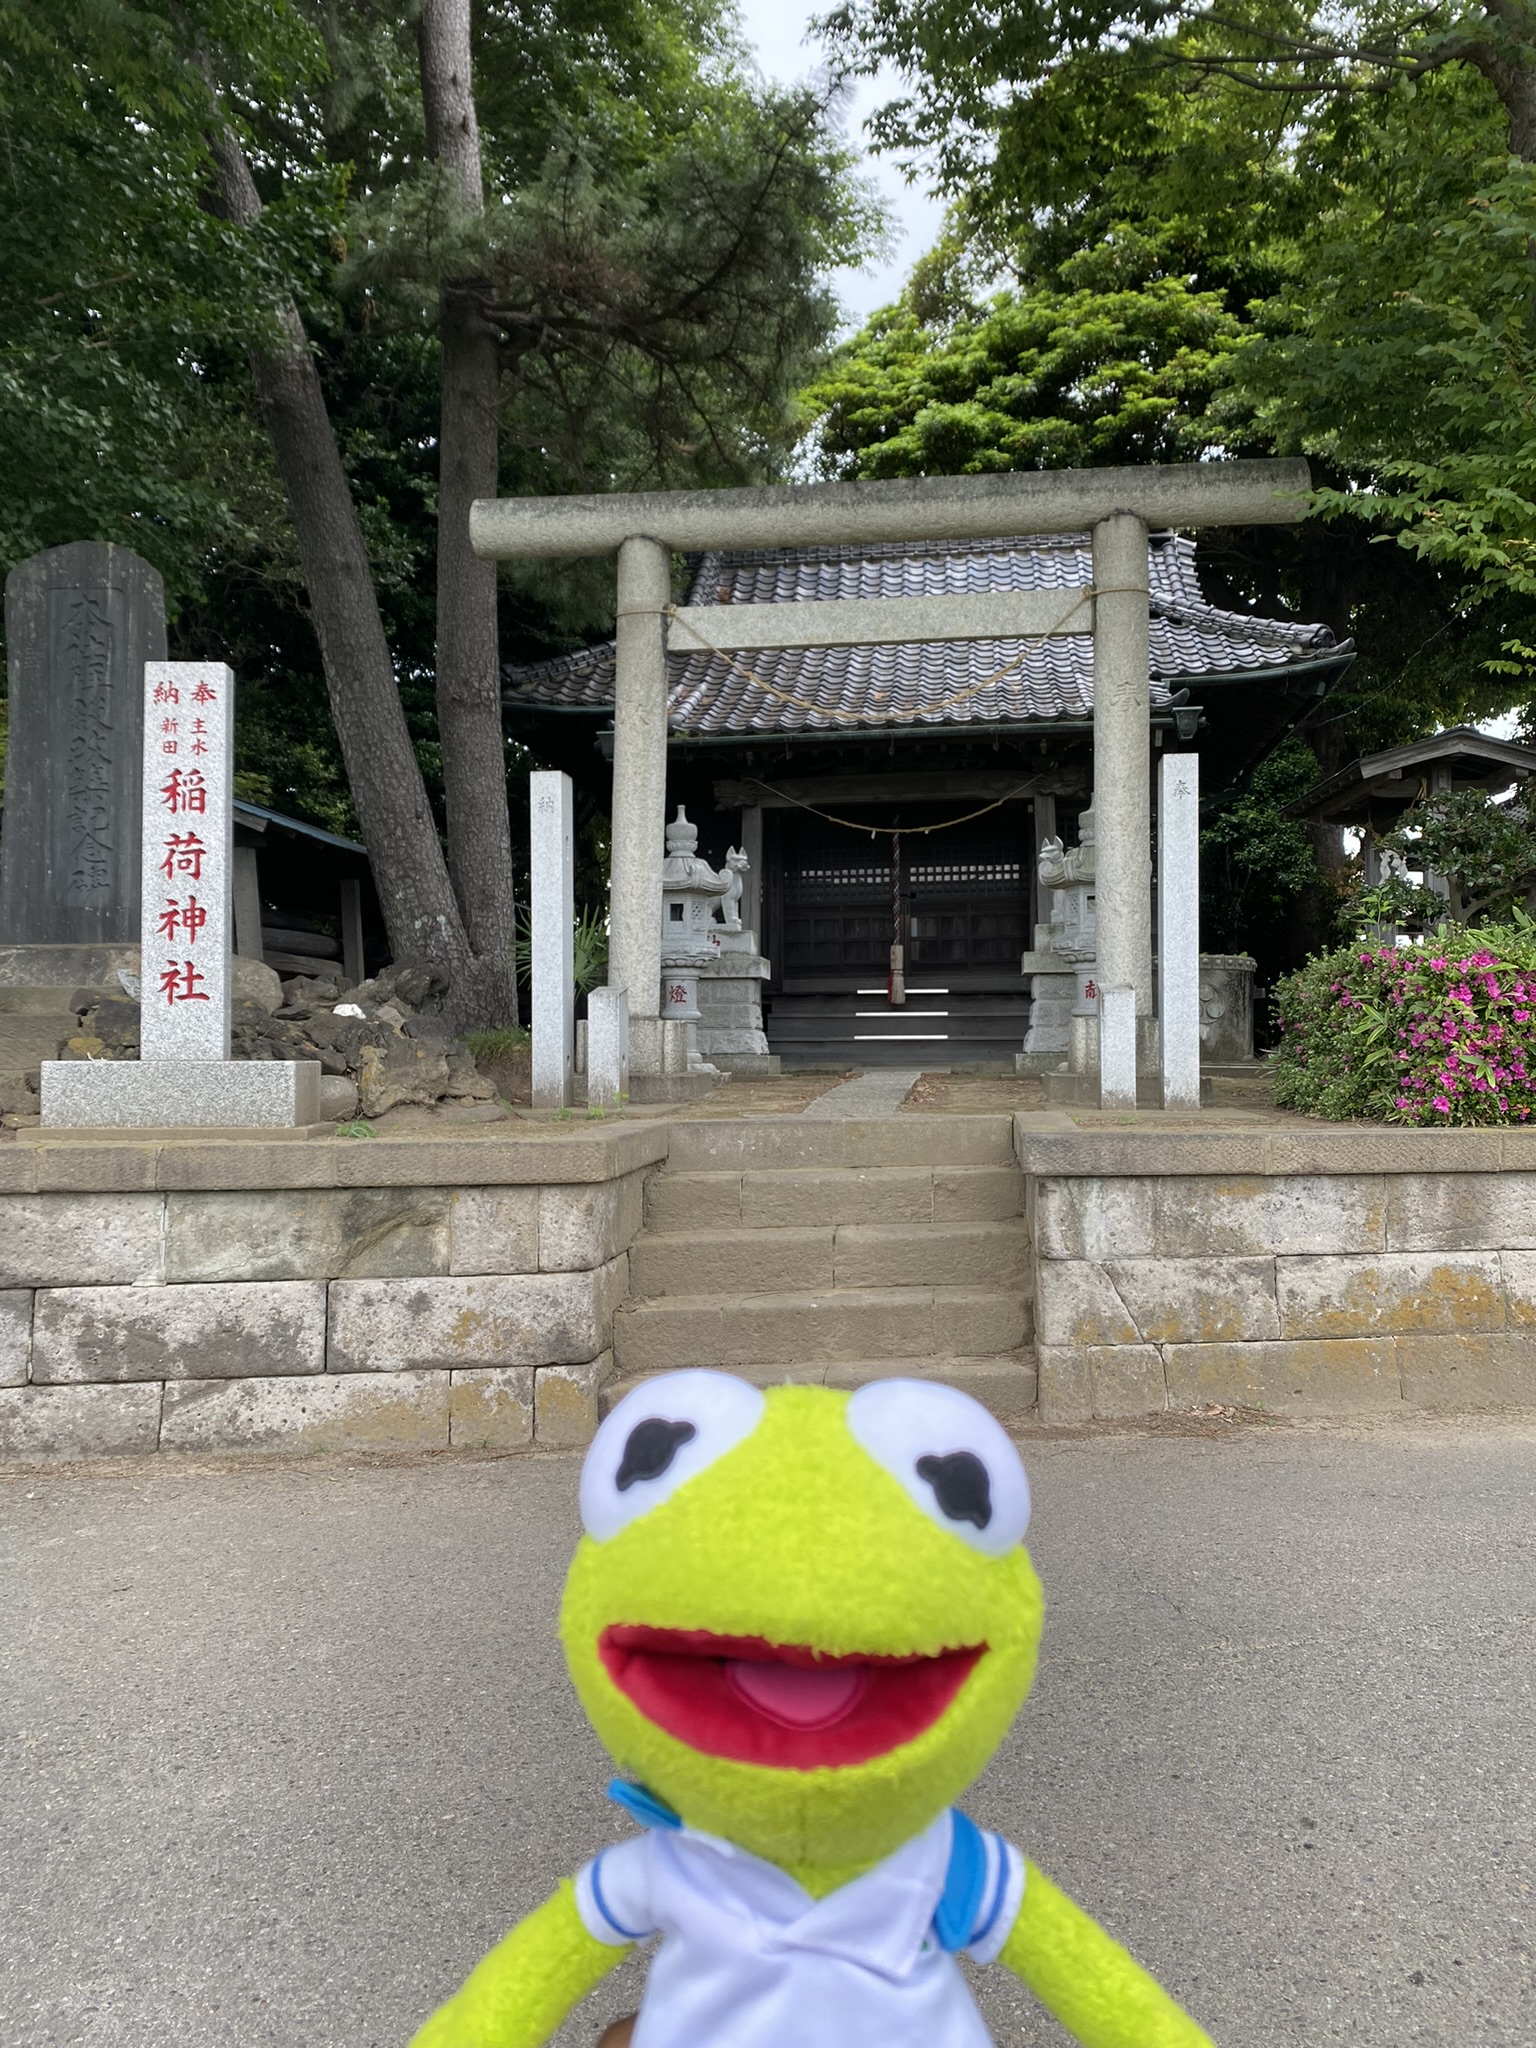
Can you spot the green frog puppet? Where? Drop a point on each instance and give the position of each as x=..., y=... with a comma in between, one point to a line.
x=801, y=1622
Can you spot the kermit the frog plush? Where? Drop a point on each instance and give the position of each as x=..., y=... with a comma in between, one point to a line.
x=801, y=1622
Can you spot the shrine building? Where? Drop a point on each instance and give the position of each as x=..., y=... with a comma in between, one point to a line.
x=899, y=791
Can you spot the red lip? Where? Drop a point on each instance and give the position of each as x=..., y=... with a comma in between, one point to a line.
x=757, y=1702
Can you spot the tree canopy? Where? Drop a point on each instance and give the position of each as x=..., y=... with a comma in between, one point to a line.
x=657, y=237
x=1345, y=197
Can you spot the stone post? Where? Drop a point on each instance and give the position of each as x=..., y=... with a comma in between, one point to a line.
x=552, y=865
x=1117, y=1048
x=752, y=847
x=639, y=793
x=352, y=963
x=247, y=899
x=607, y=1048
x=1178, y=927
x=1122, y=758
x=187, y=861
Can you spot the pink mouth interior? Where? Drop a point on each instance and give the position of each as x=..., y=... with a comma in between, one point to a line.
x=782, y=1704
x=794, y=1696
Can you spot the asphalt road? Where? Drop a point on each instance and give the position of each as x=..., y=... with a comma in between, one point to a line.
x=285, y=1749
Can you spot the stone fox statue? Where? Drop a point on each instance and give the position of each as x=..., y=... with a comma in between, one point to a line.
x=801, y=1623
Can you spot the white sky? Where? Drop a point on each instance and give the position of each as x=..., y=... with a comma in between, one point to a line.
x=778, y=29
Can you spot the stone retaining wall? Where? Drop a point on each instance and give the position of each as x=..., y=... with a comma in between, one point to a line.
x=1340, y=1272
x=329, y=1294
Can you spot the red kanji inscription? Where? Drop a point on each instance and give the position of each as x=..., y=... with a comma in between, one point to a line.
x=183, y=856
x=180, y=983
x=187, y=918
x=184, y=792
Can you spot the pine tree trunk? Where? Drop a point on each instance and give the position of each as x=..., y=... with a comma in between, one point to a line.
x=420, y=914
x=469, y=719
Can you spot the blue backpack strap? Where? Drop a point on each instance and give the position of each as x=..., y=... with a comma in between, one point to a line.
x=644, y=1806
x=959, y=1907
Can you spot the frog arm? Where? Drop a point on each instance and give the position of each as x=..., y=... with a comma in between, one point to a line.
x=524, y=1988
x=1101, y=1997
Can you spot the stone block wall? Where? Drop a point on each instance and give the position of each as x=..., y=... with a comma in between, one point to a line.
x=348, y=1295
x=1340, y=1273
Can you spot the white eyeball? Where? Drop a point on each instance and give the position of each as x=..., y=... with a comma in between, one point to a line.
x=953, y=1458
x=657, y=1438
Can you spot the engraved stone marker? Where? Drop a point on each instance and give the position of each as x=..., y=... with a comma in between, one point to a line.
x=184, y=1077
x=187, y=856
x=80, y=623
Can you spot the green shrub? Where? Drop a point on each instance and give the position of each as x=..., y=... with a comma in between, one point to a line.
x=1439, y=1034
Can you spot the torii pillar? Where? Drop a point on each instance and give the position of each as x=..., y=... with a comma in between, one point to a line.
x=1118, y=506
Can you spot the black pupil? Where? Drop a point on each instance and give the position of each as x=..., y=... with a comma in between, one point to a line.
x=651, y=1447
x=960, y=1485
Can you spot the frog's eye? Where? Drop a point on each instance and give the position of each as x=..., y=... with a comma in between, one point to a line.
x=657, y=1438
x=953, y=1458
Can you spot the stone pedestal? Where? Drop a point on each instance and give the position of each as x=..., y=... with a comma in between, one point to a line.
x=172, y=1094
x=1226, y=1008
x=730, y=1030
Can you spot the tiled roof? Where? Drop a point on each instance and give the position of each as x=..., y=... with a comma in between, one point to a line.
x=930, y=683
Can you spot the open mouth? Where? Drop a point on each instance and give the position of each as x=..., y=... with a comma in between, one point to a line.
x=775, y=1703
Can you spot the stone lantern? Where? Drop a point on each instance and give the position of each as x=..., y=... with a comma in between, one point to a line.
x=690, y=889
x=1064, y=989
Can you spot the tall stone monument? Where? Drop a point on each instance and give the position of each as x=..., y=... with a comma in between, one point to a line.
x=80, y=623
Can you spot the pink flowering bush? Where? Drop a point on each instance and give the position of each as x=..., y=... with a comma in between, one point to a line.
x=1440, y=1033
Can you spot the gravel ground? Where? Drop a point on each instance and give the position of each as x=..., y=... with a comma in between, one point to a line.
x=286, y=1747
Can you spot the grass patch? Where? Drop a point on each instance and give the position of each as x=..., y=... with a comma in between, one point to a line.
x=497, y=1045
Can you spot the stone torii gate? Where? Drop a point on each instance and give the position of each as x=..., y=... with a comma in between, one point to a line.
x=1118, y=506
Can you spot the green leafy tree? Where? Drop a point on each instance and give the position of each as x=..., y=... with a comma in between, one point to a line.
x=623, y=288
x=1374, y=160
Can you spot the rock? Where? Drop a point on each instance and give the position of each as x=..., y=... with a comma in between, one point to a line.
x=465, y=1078
x=431, y=1026
x=86, y=1046
x=387, y=1013
x=402, y=1070
x=256, y=982
x=338, y=1098
x=115, y=1021
x=245, y=1015
x=411, y=982
x=17, y=1096
x=311, y=988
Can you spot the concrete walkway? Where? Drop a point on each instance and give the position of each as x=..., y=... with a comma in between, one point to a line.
x=285, y=1749
x=879, y=1091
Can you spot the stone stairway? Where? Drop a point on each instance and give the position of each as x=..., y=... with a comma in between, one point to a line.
x=839, y=1252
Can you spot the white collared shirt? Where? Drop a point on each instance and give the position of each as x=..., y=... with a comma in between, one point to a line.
x=748, y=1959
